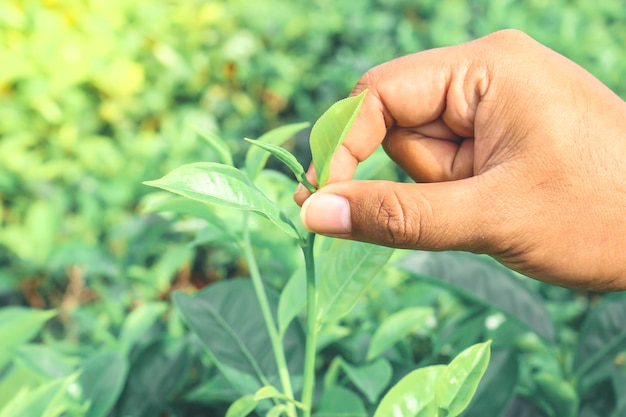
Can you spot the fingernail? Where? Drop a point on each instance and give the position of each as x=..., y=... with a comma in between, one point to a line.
x=299, y=189
x=326, y=214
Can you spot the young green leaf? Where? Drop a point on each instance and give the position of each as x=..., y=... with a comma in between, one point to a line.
x=458, y=382
x=288, y=159
x=329, y=132
x=270, y=392
x=218, y=145
x=47, y=400
x=256, y=157
x=397, y=327
x=17, y=326
x=242, y=407
x=222, y=185
x=413, y=395
x=278, y=411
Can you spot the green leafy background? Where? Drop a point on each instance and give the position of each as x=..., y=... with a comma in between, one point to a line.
x=97, y=97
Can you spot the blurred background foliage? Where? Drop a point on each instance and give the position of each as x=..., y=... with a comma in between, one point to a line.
x=97, y=96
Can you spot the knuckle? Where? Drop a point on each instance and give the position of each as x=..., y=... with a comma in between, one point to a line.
x=400, y=223
x=365, y=82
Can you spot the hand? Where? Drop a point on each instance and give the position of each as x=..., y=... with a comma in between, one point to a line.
x=518, y=153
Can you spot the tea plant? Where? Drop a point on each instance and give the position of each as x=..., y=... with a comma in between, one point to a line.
x=269, y=382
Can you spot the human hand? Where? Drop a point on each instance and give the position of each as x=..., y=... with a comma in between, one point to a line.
x=518, y=153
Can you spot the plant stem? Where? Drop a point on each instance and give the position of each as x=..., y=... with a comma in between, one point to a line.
x=311, y=325
x=277, y=345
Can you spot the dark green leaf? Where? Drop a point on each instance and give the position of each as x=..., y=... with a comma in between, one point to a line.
x=154, y=378
x=602, y=338
x=619, y=385
x=497, y=388
x=227, y=318
x=371, y=379
x=560, y=395
x=459, y=380
x=329, y=132
x=102, y=379
x=223, y=185
x=413, y=395
x=256, y=157
x=484, y=282
x=396, y=327
x=215, y=390
x=337, y=401
x=345, y=271
x=523, y=407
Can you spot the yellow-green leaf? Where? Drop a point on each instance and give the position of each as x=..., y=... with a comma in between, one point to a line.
x=329, y=132
x=223, y=185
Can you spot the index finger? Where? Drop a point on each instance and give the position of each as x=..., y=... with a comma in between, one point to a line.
x=410, y=91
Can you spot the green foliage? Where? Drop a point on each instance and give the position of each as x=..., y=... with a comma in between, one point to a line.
x=329, y=132
x=96, y=98
x=223, y=185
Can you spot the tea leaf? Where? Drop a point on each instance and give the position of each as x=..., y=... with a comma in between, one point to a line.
x=497, y=388
x=218, y=145
x=138, y=322
x=484, y=282
x=458, y=382
x=270, y=392
x=561, y=396
x=329, y=132
x=222, y=185
x=277, y=411
x=102, y=378
x=345, y=271
x=602, y=338
x=242, y=407
x=47, y=400
x=370, y=379
x=292, y=299
x=337, y=401
x=396, y=327
x=227, y=318
x=154, y=377
x=288, y=159
x=18, y=325
x=413, y=395
x=256, y=157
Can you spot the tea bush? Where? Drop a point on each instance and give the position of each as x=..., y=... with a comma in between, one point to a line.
x=96, y=97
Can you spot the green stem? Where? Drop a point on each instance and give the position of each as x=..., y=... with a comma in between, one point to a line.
x=277, y=345
x=311, y=325
x=302, y=179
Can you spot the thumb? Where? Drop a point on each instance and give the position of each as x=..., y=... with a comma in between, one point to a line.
x=451, y=215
